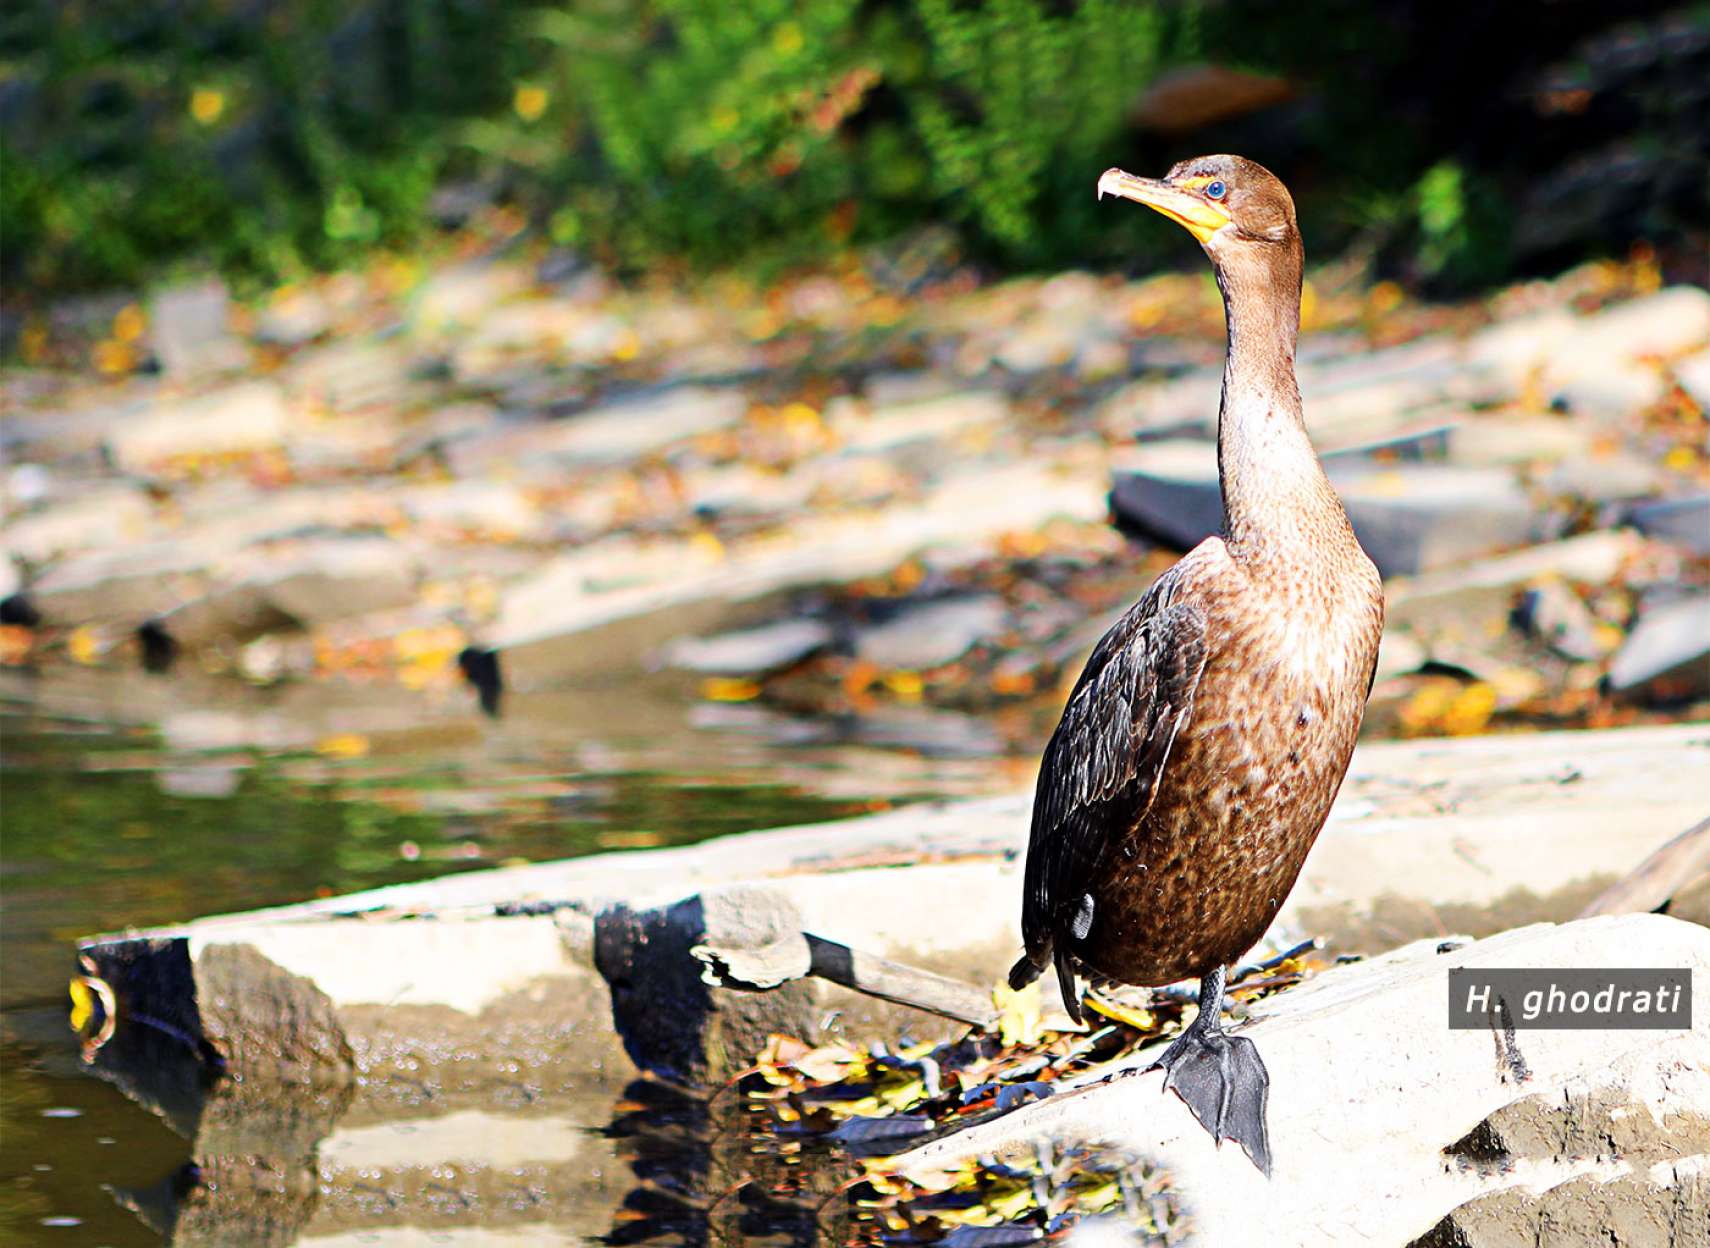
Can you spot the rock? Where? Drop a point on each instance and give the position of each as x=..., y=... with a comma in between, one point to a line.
x=653, y=592
x=349, y=375
x=930, y=634
x=131, y=584
x=610, y=434
x=1662, y=324
x=1615, y=477
x=898, y=389
x=461, y=296
x=79, y=521
x=1409, y=517
x=1168, y=490
x=1668, y=652
x=188, y=329
x=753, y=651
x=1356, y=1074
x=333, y=578
x=1469, y=606
x=540, y=327
x=1399, y=653
x=1595, y=363
x=883, y=427
x=740, y=490
x=1683, y=521
x=294, y=318
x=929, y=732
x=247, y=417
x=28, y=485
x=1497, y=440
x=1693, y=374
x=1179, y=101
x=1429, y=443
x=646, y=957
x=1182, y=405
x=306, y=585
x=1412, y=518
x=1553, y=614
x=496, y=510
x=1037, y=345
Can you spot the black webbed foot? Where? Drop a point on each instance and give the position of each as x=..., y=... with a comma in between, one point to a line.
x=1221, y=1078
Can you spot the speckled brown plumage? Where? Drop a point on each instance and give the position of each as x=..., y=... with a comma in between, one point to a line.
x=1201, y=749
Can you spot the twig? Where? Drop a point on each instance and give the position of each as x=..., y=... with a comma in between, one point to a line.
x=903, y=985
x=1659, y=877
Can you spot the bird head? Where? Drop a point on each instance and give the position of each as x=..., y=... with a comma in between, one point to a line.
x=1225, y=202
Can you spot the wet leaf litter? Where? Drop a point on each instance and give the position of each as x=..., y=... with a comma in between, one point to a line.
x=859, y=1106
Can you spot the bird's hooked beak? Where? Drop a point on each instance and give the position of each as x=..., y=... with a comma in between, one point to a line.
x=1198, y=215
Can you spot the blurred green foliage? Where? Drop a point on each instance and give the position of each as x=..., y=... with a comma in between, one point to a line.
x=260, y=137
x=271, y=136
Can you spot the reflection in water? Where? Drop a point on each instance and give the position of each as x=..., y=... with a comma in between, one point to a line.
x=106, y=828
x=709, y=1169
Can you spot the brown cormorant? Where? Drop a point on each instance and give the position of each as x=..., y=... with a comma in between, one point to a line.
x=1203, y=744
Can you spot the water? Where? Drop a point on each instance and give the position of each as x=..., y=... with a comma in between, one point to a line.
x=108, y=827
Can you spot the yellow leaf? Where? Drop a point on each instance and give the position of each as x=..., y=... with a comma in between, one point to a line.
x=530, y=102
x=1020, y=1017
x=82, y=1004
x=206, y=105
x=128, y=325
x=1471, y=710
x=33, y=342
x=906, y=685
x=83, y=646
x=1140, y=1020
x=343, y=745
x=112, y=356
x=729, y=689
x=1385, y=297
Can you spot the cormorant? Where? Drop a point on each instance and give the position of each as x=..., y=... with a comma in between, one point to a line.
x=1204, y=742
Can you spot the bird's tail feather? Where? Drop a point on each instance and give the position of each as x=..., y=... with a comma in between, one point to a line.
x=1024, y=972
x=1066, y=981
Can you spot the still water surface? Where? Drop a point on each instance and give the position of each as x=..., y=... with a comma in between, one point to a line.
x=104, y=828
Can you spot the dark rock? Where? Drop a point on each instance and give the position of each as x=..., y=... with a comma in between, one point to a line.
x=671, y=1022
x=1667, y=655
x=1683, y=521
x=1409, y=517
x=18, y=610
x=159, y=650
x=480, y=667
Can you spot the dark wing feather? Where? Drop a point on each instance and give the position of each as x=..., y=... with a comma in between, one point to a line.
x=1103, y=763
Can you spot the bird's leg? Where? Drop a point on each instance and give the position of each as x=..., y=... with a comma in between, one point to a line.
x=1220, y=1077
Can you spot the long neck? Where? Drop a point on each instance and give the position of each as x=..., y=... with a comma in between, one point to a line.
x=1275, y=494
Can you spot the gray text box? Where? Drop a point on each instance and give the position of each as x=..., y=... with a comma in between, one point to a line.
x=1601, y=999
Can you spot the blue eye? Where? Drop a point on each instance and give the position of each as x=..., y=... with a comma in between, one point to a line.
x=1216, y=191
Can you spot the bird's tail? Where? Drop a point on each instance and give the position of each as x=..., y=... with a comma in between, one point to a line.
x=1066, y=981
x=1026, y=970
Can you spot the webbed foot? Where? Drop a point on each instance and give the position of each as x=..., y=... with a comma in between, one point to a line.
x=1222, y=1079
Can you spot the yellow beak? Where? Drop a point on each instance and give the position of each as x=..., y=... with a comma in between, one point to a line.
x=1200, y=216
